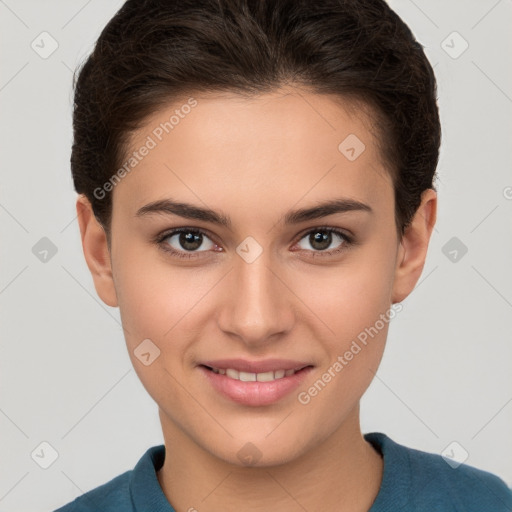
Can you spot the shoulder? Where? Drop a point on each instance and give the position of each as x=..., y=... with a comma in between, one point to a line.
x=436, y=484
x=466, y=487
x=109, y=497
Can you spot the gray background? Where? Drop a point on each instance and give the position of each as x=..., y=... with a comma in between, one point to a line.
x=65, y=375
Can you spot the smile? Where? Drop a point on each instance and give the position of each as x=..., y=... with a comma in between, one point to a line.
x=255, y=388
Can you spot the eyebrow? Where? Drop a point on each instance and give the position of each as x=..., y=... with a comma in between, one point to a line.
x=189, y=211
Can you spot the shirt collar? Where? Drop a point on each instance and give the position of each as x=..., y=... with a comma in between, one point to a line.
x=145, y=490
x=396, y=477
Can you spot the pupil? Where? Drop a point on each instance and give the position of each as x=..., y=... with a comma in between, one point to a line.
x=190, y=241
x=323, y=238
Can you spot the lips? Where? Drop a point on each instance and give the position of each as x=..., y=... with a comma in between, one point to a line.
x=255, y=383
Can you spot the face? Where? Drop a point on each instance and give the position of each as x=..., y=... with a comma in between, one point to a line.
x=262, y=275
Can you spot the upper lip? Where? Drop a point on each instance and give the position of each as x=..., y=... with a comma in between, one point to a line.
x=266, y=365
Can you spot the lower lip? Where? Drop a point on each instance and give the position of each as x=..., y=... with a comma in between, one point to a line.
x=255, y=393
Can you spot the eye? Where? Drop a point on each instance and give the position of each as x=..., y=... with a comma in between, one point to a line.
x=184, y=242
x=320, y=239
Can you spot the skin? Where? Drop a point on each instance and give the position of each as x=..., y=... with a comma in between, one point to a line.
x=231, y=155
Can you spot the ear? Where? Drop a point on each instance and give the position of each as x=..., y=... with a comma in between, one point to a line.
x=412, y=250
x=96, y=251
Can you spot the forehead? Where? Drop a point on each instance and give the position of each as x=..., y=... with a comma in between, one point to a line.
x=266, y=151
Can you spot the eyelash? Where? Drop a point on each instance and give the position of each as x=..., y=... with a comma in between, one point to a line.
x=160, y=239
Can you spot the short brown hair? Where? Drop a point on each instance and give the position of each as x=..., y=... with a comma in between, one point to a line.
x=154, y=51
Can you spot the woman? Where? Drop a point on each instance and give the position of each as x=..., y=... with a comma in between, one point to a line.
x=256, y=196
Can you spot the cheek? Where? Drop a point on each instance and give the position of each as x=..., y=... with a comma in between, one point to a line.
x=352, y=306
x=150, y=294
x=356, y=309
x=350, y=297
x=160, y=302
x=157, y=303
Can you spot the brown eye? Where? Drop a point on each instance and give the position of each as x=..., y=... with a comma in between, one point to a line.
x=185, y=242
x=321, y=239
x=190, y=241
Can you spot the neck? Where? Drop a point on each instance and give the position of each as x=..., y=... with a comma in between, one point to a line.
x=342, y=473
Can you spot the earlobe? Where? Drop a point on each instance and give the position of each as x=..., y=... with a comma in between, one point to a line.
x=412, y=251
x=96, y=251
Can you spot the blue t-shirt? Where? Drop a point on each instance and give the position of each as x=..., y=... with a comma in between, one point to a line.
x=413, y=481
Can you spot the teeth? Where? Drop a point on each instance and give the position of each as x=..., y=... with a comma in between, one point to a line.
x=234, y=374
x=247, y=377
x=253, y=377
x=265, y=377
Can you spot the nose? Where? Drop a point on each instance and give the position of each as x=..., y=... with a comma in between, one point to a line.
x=256, y=305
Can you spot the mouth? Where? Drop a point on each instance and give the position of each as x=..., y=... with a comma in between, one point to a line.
x=254, y=383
